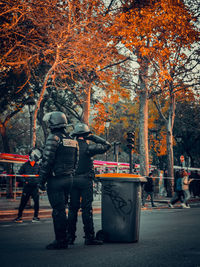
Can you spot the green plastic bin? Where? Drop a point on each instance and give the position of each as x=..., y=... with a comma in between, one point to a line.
x=121, y=206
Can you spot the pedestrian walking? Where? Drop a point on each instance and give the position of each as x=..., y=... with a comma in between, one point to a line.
x=194, y=185
x=178, y=190
x=81, y=195
x=59, y=160
x=148, y=190
x=186, y=183
x=30, y=184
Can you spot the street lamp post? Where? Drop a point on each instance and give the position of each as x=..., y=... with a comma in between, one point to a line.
x=31, y=105
x=107, y=125
x=154, y=134
x=179, y=140
x=116, y=150
x=131, y=144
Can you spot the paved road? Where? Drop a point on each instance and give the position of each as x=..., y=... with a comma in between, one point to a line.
x=168, y=237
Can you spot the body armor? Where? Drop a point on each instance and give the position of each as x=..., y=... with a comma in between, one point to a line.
x=60, y=155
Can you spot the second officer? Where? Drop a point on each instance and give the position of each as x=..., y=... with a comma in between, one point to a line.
x=81, y=194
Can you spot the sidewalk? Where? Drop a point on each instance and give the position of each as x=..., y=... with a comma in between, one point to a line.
x=9, y=207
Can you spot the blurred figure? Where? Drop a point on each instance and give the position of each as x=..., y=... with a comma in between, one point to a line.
x=178, y=190
x=148, y=190
x=182, y=193
x=30, y=184
x=82, y=191
x=166, y=182
x=194, y=186
x=60, y=157
x=186, y=183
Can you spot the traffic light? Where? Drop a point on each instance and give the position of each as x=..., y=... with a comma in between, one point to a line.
x=131, y=139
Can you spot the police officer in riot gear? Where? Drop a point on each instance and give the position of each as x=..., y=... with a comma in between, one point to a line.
x=58, y=164
x=30, y=184
x=83, y=183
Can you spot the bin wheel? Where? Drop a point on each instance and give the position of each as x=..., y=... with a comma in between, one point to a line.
x=101, y=235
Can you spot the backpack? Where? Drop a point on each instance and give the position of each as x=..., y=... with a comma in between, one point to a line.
x=179, y=184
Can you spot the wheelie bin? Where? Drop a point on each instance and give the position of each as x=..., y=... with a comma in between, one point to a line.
x=121, y=206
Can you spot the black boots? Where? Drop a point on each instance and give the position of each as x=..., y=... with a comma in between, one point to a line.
x=71, y=240
x=93, y=241
x=88, y=241
x=61, y=244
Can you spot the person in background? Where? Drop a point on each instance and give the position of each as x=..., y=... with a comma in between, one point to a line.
x=165, y=178
x=148, y=190
x=83, y=183
x=178, y=190
x=186, y=183
x=197, y=183
x=30, y=184
x=59, y=161
x=194, y=186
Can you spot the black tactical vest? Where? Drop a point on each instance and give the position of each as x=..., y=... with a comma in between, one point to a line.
x=85, y=164
x=66, y=156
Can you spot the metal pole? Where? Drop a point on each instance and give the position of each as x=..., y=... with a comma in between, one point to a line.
x=31, y=132
x=15, y=189
x=130, y=160
x=106, y=140
x=31, y=135
x=116, y=156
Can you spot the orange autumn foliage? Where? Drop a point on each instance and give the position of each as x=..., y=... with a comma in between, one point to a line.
x=71, y=33
x=155, y=31
x=69, y=37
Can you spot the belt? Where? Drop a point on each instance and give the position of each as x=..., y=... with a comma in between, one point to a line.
x=62, y=174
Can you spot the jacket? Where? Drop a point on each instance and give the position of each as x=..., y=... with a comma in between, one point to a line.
x=149, y=185
x=27, y=168
x=87, y=151
x=185, y=183
x=60, y=155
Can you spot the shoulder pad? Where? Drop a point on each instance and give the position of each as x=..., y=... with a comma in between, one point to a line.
x=53, y=137
x=69, y=142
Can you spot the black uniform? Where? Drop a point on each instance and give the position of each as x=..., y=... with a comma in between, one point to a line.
x=148, y=189
x=59, y=161
x=83, y=187
x=30, y=187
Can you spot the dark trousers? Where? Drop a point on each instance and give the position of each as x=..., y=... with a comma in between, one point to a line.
x=81, y=196
x=145, y=195
x=28, y=192
x=58, y=189
x=178, y=196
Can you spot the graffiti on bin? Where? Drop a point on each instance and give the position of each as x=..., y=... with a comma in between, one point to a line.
x=120, y=204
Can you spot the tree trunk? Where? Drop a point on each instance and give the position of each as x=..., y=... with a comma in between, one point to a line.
x=170, y=161
x=5, y=141
x=6, y=147
x=86, y=106
x=143, y=117
x=48, y=75
x=143, y=134
x=40, y=118
x=170, y=154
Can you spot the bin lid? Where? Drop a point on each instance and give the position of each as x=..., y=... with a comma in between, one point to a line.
x=120, y=177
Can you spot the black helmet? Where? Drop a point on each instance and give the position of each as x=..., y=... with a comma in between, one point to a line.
x=81, y=129
x=35, y=154
x=56, y=119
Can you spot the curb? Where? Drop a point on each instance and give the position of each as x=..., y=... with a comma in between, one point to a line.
x=10, y=215
x=46, y=212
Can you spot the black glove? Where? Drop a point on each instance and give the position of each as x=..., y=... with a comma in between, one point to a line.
x=98, y=140
x=42, y=186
